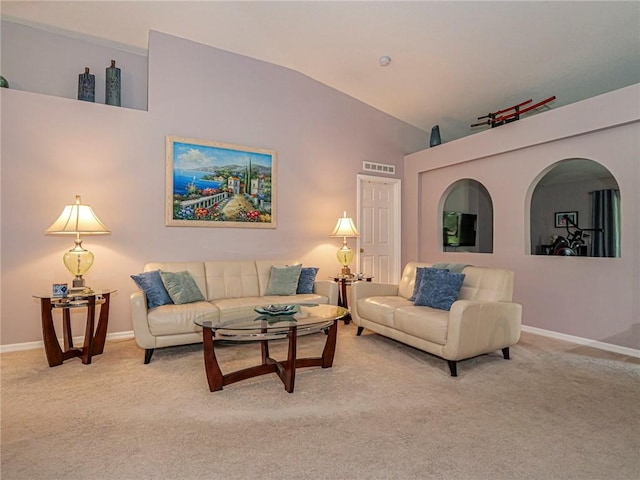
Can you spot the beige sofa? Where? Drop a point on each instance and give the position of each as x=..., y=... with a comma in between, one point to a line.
x=227, y=286
x=483, y=319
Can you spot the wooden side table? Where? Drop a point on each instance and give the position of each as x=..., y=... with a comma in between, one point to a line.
x=344, y=282
x=94, y=338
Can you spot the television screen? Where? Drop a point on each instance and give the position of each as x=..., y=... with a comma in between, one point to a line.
x=459, y=229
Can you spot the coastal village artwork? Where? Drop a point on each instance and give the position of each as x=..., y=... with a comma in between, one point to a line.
x=211, y=184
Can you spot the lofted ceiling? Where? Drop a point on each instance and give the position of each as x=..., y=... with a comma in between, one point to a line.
x=451, y=61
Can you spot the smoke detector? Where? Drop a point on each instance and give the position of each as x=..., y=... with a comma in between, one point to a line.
x=385, y=60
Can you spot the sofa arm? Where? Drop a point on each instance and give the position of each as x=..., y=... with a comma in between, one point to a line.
x=138, y=303
x=476, y=328
x=328, y=289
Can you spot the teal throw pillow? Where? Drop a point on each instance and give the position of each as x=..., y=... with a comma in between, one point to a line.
x=284, y=280
x=151, y=284
x=439, y=288
x=306, y=280
x=182, y=287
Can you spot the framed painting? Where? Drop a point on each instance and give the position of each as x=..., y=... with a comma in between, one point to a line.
x=561, y=219
x=212, y=184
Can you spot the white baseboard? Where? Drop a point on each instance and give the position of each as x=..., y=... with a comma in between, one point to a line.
x=16, y=347
x=631, y=352
x=538, y=331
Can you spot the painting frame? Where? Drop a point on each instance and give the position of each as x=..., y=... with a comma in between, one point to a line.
x=560, y=222
x=231, y=186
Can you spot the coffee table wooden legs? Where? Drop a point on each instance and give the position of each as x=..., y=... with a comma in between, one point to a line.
x=214, y=374
x=286, y=370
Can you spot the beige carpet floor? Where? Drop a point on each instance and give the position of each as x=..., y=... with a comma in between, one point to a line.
x=384, y=411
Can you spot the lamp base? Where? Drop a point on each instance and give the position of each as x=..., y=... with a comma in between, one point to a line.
x=346, y=271
x=78, y=282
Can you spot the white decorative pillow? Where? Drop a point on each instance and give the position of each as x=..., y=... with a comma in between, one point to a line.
x=284, y=280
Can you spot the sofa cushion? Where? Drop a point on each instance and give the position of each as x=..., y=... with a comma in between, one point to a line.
x=151, y=284
x=307, y=279
x=487, y=285
x=226, y=305
x=381, y=309
x=181, y=287
x=231, y=279
x=294, y=299
x=178, y=319
x=423, y=322
x=439, y=288
x=283, y=280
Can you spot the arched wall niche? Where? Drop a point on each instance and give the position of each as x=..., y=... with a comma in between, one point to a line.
x=588, y=193
x=467, y=218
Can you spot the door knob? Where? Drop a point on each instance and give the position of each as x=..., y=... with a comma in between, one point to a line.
x=362, y=250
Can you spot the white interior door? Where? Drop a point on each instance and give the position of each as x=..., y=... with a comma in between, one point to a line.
x=379, y=225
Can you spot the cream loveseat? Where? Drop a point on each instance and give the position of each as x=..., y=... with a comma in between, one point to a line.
x=226, y=286
x=482, y=319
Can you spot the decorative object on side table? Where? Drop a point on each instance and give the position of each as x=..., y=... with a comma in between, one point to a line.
x=78, y=219
x=345, y=228
x=3, y=82
x=87, y=86
x=113, y=85
x=60, y=289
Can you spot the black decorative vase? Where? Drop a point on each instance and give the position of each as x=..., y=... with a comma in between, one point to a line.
x=87, y=86
x=112, y=89
x=435, y=137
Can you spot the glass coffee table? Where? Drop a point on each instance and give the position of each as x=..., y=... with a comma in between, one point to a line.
x=250, y=325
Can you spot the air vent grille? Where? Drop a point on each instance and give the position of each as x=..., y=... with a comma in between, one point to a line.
x=379, y=168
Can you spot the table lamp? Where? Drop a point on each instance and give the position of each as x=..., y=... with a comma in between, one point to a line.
x=78, y=219
x=345, y=228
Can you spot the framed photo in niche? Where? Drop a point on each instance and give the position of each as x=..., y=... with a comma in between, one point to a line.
x=213, y=184
x=561, y=221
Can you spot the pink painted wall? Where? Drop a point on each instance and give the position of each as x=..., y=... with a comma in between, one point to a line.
x=592, y=298
x=53, y=148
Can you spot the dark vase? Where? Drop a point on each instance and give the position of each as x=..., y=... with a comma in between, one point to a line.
x=3, y=82
x=87, y=86
x=112, y=92
x=435, y=137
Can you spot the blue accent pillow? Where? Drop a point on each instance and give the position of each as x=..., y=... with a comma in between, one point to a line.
x=416, y=285
x=151, y=284
x=182, y=287
x=284, y=280
x=439, y=288
x=306, y=280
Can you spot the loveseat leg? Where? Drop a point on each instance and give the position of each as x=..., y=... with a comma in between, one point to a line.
x=147, y=355
x=453, y=368
x=360, y=329
x=505, y=353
